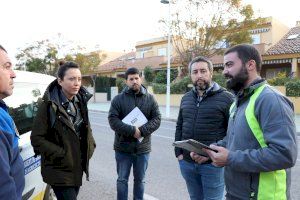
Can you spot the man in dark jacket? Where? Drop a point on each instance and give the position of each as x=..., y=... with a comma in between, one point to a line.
x=133, y=144
x=203, y=116
x=261, y=141
x=12, y=179
x=61, y=133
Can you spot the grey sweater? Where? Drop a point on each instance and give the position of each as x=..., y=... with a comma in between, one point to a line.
x=247, y=159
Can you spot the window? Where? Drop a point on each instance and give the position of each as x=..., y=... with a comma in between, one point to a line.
x=162, y=52
x=142, y=54
x=255, y=39
x=23, y=104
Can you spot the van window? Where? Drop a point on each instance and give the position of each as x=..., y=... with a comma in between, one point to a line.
x=23, y=104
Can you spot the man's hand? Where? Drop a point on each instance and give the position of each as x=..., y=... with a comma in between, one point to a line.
x=137, y=133
x=219, y=159
x=197, y=158
x=180, y=157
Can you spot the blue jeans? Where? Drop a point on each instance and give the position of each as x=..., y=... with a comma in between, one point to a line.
x=204, y=181
x=124, y=163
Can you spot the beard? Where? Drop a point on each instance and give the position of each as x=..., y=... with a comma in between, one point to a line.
x=237, y=82
x=135, y=88
x=201, y=85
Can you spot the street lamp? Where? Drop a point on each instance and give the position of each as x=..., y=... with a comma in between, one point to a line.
x=169, y=59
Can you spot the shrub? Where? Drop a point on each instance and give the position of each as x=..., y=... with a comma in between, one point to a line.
x=279, y=80
x=161, y=76
x=181, y=86
x=219, y=78
x=149, y=74
x=104, y=83
x=120, y=84
x=293, y=88
x=159, y=88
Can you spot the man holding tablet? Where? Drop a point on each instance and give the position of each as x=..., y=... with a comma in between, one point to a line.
x=203, y=116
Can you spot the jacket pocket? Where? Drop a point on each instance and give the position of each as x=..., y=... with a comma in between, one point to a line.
x=65, y=163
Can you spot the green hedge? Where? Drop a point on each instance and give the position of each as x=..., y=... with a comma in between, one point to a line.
x=293, y=88
x=120, y=84
x=104, y=83
x=219, y=78
x=161, y=76
x=159, y=88
x=179, y=87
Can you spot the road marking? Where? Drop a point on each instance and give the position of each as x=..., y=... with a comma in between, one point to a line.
x=162, y=136
x=94, y=124
x=167, y=121
x=172, y=129
x=149, y=197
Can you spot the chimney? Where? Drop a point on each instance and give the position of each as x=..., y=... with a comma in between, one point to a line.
x=297, y=23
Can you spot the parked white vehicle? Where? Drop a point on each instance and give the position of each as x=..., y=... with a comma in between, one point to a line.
x=29, y=88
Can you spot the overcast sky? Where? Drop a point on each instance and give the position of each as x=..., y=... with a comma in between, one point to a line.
x=114, y=25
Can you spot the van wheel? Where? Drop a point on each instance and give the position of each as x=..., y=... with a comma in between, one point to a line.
x=49, y=193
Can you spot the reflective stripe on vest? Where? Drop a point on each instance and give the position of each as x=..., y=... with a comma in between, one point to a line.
x=272, y=185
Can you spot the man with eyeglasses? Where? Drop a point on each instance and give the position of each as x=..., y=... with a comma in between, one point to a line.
x=12, y=179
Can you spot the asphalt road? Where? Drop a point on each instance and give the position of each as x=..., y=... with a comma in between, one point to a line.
x=163, y=178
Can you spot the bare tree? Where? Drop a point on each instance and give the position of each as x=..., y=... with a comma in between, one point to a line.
x=205, y=27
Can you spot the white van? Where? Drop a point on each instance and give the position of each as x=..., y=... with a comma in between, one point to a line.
x=29, y=87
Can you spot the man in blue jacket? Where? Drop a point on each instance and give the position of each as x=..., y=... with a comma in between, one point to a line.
x=11, y=164
x=261, y=142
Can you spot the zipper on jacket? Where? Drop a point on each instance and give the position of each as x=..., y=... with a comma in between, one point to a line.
x=196, y=115
x=252, y=192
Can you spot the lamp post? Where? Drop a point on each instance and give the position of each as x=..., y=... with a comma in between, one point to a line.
x=169, y=59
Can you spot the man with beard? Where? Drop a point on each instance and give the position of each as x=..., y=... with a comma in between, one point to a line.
x=261, y=142
x=203, y=116
x=133, y=144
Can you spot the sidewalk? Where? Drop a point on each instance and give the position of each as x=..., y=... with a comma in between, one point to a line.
x=104, y=107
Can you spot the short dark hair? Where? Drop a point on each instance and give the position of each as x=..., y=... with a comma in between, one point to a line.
x=131, y=70
x=247, y=52
x=2, y=48
x=64, y=66
x=201, y=59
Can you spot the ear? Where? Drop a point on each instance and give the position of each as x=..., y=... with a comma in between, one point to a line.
x=251, y=65
x=59, y=81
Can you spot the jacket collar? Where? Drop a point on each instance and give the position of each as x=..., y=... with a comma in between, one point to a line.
x=248, y=91
x=3, y=105
x=213, y=89
x=65, y=101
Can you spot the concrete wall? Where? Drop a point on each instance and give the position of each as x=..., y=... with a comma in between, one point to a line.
x=295, y=100
x=161, y=98
x=101, y=97
x=174, y=99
